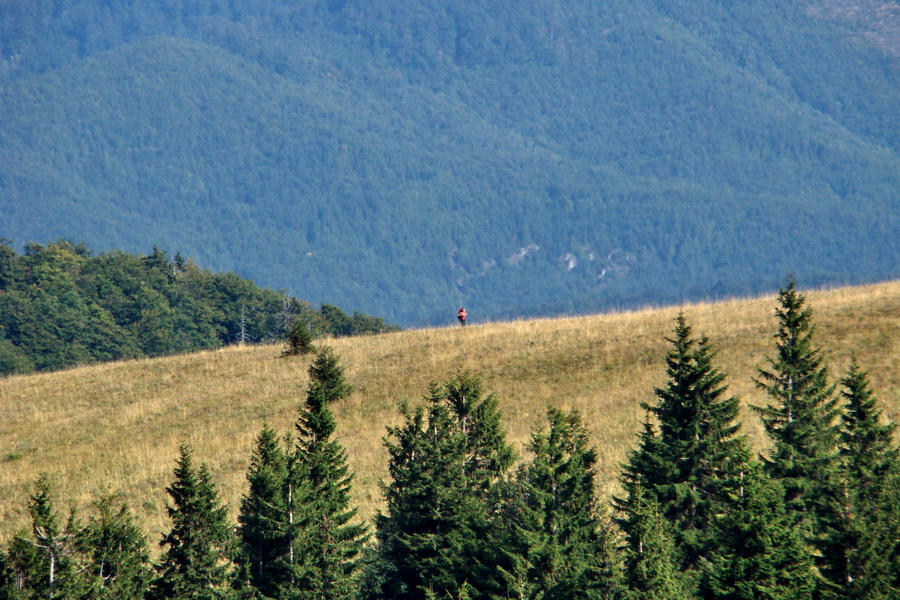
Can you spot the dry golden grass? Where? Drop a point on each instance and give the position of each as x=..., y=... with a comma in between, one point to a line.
x=118, y=426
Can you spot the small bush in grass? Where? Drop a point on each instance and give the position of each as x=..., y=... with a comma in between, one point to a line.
x=299, y=339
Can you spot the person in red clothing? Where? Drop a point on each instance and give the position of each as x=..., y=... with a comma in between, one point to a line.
x=461, y=315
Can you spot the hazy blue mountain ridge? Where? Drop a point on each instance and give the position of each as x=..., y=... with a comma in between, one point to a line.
x=407, y=158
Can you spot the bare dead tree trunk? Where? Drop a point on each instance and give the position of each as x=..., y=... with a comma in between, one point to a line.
x=243, y=338
x=53, y=546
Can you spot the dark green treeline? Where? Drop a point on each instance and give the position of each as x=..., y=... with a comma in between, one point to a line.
x=61, y=306
x=700, y=515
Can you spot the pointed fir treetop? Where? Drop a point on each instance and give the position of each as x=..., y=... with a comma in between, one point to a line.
x=858, y=552
x=45, y=563
x=195, y=508
x=692, y=466
x=479, y=419
x=40, y=506
x=426, y=477
x=867, y=445
x=560, y=548
x=116, y=557
x=444, y=463
x=802, y=419
x=697, y=425
x=327, y=382
x=797, y=379
x=199, y=539
x=562, y=469
x=261, y=530
x=324, y=542
x=268, y=454
x=316, y=424
x=300, y=338
x=265, y=476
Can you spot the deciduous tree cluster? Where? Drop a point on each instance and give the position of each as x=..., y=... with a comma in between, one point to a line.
x=61, y=306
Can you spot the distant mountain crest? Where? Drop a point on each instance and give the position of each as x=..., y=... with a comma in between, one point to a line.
x=400, y=158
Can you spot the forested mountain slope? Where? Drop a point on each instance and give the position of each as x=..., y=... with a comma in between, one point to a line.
x=405, y=159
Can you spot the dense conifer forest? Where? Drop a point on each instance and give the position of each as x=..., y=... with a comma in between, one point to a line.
x=700, y=513
x=61, y=306
x=408, y=158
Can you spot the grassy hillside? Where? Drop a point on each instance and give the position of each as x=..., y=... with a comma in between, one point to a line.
x=118, y=426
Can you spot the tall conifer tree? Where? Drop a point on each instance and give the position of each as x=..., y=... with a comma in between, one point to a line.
x=861, y=538
x=325, y=542
x=693, y=465
x=651, y=561
x=444, y=463
x=478, y=419
x=759, y=553
x=867, y=445
x=115, y=558
x=561, y=548
x=801, y=420
x=261, y=530
x=423, y=502
x=300, y=339
x=194, y=565
x=44, y=563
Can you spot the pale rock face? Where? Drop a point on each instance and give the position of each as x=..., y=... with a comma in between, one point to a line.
x=876, y=20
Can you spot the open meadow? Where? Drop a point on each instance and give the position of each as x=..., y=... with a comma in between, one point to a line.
x=117, y=427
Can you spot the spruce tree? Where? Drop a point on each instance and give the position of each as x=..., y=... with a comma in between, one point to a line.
x=23, y=564
x=300, y=339
x=325, y=542
x=801, y=421
x=261, y=531
x=54, y=543
x=424, y=503
x=194, y=563
x=694, y=463
x=867, y=445
x=560, y=548
x=645, y=467
x=8, y=589
x=444, y=464
x=327, y=382
x=861, y=537
x=298, y=538
x=651, y=561
x=479, y=420
x=115, y=558
x=44, y=563
x=759, y=554
x=474, y=543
